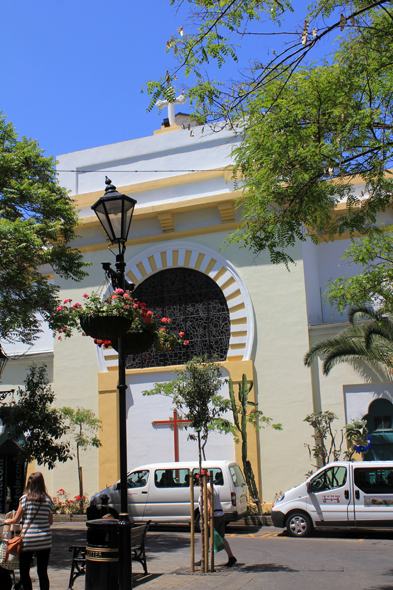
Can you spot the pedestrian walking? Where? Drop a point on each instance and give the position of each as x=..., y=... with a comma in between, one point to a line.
x=219, y=519
x=35, y=512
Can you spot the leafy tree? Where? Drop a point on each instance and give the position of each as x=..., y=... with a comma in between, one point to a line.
x=373, y=286
x=370, y=343
x=307, y=131
x=242, y=416
x=326, y=448
x=37, y=222
x=84, y=427
x=34, y=423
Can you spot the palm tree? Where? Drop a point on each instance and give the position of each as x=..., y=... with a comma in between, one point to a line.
x=370, y=342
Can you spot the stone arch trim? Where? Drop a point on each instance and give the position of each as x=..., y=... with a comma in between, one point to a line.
x=217, y=267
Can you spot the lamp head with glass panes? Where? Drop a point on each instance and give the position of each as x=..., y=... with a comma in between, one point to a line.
x=114, y=211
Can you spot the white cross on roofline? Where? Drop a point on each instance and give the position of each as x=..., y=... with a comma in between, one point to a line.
x=181, y=99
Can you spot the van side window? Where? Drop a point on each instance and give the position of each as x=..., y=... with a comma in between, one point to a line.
x=237, y=475
x=329, y=479
x=172, y=478
x=374, y=480
x=218, y=478
x=138, y=479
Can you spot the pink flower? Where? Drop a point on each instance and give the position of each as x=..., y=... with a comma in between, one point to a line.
x=76, y=305
x=135, y=306
x=67, y=300
x=85, y=295
x=169, y=320
x=59, y=308
x=114, y=297
x=181, y=334
x=126, y=307
x=119, y=291
x=126, y=296
x=186, y=343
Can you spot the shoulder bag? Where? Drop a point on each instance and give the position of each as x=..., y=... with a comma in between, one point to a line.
x=15, y=545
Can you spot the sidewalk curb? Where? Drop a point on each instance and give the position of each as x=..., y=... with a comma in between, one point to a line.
x=69, y=518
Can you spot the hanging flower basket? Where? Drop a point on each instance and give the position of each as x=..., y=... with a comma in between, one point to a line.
x=105, y=327
x=137, y=342
x=108, y=319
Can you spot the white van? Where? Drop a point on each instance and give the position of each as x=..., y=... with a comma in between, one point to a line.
x=341, y=494
x=160, y=492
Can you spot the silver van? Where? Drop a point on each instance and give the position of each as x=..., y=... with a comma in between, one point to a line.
x=340, y=494
x=160, y=492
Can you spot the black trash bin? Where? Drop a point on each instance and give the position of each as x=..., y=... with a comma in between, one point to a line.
x=102, y=555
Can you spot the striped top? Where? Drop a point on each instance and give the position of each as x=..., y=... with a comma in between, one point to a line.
x=39, y=535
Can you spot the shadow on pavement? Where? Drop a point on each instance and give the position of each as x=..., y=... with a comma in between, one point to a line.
x=156, y=543
x=265, y=567
x=60, y=556
x=138, y=579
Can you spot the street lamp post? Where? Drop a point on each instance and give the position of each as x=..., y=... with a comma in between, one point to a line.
x=114, y=211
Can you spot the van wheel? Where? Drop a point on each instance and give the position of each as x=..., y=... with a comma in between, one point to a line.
x=299, y=525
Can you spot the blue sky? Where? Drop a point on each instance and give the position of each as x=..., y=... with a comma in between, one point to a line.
x=71, y=71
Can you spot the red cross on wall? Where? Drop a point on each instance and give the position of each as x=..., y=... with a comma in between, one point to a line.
x=176, y=423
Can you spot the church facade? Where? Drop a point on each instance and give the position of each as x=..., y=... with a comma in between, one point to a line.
x=257, y=318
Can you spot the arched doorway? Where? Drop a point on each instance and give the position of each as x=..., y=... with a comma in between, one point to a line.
x=380, y=428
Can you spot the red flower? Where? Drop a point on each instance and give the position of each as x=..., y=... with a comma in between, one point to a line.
x=186, y=343
x=114, y=297
x=181, y=334
x=162, y=329
x=148, y=356
x=164, y=320
x=150, y=313
x=135, y=306
x=148, y=320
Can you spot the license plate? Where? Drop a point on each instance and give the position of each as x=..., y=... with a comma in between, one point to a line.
x=242, y=500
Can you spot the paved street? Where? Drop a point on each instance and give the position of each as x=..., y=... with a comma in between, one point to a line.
x=267, y=560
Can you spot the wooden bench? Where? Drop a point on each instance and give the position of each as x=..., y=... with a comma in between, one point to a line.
x=138, y=536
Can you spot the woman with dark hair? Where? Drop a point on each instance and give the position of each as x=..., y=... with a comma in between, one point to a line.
x=35, y=511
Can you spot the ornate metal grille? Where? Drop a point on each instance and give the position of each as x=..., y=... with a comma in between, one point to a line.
x=196, y=306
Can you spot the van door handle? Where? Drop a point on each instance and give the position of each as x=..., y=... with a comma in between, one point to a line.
x=144, y=492
x=346, y=494
x=357, y=494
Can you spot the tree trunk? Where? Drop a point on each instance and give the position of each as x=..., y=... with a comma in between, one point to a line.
x=80, y=478
x=201, y=506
